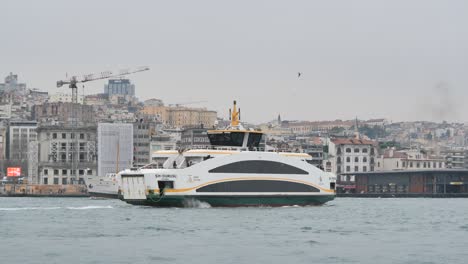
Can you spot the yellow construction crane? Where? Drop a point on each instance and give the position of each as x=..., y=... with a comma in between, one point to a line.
x=92, y=77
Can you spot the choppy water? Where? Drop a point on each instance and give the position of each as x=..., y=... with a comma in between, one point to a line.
x=346, y=230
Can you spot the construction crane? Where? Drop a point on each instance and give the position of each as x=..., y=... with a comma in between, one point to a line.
x=92, y=77
x=72, y=83
x=187, y=103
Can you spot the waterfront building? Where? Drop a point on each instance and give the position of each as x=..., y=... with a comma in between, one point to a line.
x=350, y=155
x=3, y=138
x=66, y=154
x=428, y=182
x=119, y=87
x=3, y=141
x=414, y=159
x=20, y=133
x=115, y=147
x=19, y=136
x=455, y=158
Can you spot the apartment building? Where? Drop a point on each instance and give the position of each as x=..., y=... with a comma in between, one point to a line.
x=179, y=116
x=66, y=154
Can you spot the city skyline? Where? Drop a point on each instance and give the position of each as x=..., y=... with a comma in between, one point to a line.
x=370, y=59
x=224, y=113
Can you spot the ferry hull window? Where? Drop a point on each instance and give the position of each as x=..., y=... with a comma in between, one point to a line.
x=258, y=167
x=258, y=186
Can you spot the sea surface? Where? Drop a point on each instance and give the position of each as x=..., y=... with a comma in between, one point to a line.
x=346, y=230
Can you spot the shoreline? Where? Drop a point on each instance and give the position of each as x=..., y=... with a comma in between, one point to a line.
x=402, y=195
x=43, y=190
x=46, y=195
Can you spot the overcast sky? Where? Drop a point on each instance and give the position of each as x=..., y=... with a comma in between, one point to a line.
x=399, y=59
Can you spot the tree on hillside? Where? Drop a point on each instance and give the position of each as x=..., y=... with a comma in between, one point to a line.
x=373, y=132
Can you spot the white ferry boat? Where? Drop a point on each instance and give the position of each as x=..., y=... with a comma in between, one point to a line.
x=104, y=186
x=234, y=172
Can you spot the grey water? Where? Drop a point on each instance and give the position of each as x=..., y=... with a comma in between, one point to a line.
x=346, y=230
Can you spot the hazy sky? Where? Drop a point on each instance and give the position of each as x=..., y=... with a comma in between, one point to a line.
x=400, y=59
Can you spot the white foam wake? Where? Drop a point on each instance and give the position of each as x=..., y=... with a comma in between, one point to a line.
x=55, y=208
x=90, y=207
x=28, y=208
x=192, y=203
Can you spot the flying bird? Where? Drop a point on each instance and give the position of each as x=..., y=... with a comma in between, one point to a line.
x=299, y=74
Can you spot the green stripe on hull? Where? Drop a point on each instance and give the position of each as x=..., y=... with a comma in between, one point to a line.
x=234, y=201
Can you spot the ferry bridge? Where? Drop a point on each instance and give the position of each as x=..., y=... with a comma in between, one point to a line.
x=404, y=183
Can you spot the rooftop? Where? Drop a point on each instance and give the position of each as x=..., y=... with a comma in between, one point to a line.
x=352, y=141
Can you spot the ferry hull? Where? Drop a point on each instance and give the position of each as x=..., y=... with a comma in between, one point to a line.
x=104, y=195
x=233, y=201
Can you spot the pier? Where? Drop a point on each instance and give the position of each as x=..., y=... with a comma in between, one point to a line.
x=435, y=183
x=42, y=190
